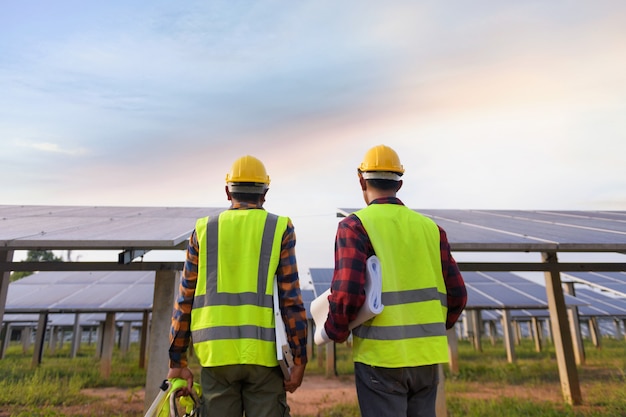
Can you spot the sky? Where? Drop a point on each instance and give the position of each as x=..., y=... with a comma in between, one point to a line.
x=490, y=105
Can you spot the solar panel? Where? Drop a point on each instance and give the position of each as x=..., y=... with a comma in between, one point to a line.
x=321, y=277
x=478, y=299
x=590, y=304
x=86, y=291
x=493, y=290
x=614, y=282
x=496, y=290
x=489, y=315
x=505, y=297
x=86, y=227
x=307, y=297
x=521, y=314
x=67, y=320
x=514, y=230
x=599, y=304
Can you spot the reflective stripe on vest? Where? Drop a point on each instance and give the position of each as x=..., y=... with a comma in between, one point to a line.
x=232, y=315
x=410, y=331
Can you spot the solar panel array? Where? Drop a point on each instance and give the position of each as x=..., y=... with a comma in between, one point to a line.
x=321, y=279
x=65, y=292
x=599, y=305
x=67, y=320
x=83, y=227
x=505, y=290
x=614, y=282
x=523, y=230
x=307, y=297
x=486, y=290
x=590, y=303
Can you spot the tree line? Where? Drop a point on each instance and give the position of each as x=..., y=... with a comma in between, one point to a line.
x=36, y=256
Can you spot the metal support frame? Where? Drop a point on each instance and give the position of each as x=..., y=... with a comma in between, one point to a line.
x=90, y=266
x=331, y=364
x=509, y=341
x=76, y=336
x=178, y=266
x=143, y=342
x=561, y=331
x=129, y=255
x=618, y=329
x=5, y=277
x=5, y=335
x=493, y=332
x=594, y=332
x=40, y=337
x=108, y=343
x=165, y=288
x=535, y=326
x=577, y=338
x=441, y=409
x=543, y=267
x=453, y=351
x=477, y=329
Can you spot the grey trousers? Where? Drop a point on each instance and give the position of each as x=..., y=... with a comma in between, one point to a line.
x=395, y=392
x=232, y=390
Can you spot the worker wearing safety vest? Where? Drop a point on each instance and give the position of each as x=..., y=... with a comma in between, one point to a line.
x=396, y=353
x=225, y=303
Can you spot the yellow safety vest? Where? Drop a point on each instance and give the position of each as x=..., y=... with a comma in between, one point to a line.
x=411, y=330
x=232, y=319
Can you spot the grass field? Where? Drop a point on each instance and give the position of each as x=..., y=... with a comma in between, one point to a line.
x=486, y=385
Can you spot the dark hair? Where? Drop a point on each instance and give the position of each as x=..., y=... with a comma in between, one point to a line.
x=251, y=198
x=386, y=185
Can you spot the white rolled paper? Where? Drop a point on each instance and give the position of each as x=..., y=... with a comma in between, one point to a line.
x=372, y=306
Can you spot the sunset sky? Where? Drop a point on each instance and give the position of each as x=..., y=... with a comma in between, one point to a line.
x=491, y=105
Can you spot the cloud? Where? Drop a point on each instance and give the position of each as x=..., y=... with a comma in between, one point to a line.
x=48, y=147
x=478, y=99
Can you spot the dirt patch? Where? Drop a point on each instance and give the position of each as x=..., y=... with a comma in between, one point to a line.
x=315, y=394
x=318, y=393
x=487, y=391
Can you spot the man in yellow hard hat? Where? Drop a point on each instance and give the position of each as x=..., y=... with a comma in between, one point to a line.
x=225, y=303
x=396, y=354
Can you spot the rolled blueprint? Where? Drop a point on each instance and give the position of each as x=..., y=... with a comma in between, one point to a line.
x=372, y=306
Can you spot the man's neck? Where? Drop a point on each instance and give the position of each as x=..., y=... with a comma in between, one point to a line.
x=371, y=195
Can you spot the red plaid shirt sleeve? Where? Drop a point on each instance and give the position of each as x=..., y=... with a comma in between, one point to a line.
x=455, y=286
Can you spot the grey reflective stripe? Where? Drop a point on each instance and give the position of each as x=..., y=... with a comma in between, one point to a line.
x=234, y=332
x=211, y=245
x=399, y=332
x=233, y=299
x=212, y=296
x=267, y=242
x=413, y=296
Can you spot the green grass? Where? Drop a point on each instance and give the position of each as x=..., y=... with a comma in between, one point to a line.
x=58, y=381
x=602, y=379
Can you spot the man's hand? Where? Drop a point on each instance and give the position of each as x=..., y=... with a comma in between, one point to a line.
x=183, y=373
x=295, y=379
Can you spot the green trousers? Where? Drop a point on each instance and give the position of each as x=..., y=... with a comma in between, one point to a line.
x=237, y=390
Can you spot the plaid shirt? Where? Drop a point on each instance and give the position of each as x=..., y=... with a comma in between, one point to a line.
x=352, y=248
x=290, y=300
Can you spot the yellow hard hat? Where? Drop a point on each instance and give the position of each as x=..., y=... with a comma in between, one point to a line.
x=251, y=172
x=380, y=160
